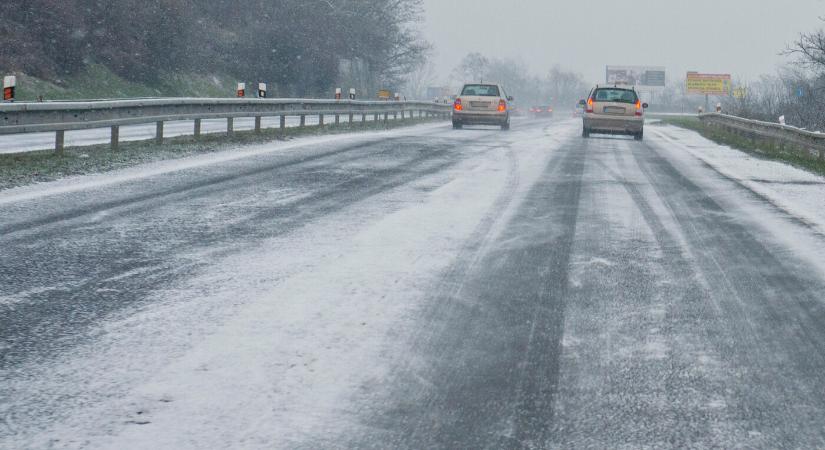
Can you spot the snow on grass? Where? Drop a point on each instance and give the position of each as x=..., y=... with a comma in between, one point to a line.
x=796, y=194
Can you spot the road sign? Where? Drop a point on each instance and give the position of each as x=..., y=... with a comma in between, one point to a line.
x=740, y=92
x=9, y=85
x=641, y=76
x=261, y=90
x=384, y=94
x=708, y=84
x=241, y=91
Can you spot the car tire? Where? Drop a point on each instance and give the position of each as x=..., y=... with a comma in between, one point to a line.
x=505, y=126
x=457, y=125
x=585, y=133
x=639, y=136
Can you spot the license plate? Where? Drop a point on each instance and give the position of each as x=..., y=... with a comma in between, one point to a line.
x=614, y=110
x=480, y=104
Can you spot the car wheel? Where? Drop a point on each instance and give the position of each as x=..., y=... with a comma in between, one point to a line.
x=505, y=126
x=457, y=125
x=585, y=133
x=639, y=136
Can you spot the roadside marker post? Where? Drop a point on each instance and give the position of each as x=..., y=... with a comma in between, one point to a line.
x=261, y=90
x=337, y=93
x=241, y=92
x=9, y=85
x=352, y=94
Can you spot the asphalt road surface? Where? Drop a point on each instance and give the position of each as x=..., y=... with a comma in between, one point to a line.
x=417, y=288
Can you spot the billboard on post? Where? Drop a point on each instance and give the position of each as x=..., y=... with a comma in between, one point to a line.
x=709, y=84
x=641, y=76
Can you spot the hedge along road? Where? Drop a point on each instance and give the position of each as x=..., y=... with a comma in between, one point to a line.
x=416, y=288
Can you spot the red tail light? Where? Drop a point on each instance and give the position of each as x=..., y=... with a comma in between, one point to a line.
x=638, y=107
x=550, y=110
x=457, y=105
x=502, y=106
x=589, y=105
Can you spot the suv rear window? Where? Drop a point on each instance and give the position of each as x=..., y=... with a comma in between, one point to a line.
x=481, y=90
x=615, y=95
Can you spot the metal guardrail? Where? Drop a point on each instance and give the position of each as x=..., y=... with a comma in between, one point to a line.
x=59, y=117
x=805, y=143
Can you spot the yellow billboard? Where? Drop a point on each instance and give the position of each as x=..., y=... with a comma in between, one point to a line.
x=708, y=84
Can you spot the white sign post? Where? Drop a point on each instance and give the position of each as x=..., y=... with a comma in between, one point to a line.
x=9, y=85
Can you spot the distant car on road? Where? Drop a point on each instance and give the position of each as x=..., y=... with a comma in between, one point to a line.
x=542, y=111
x=613, y=110
x=482, y=104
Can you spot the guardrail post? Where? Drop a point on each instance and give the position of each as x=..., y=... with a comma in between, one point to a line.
x=159, y=132
x=337, y=119
x=115, y=136
x=364, y=119
x=320, y=120
x=375, y=118
x=386, y=118
x=197, y=128
x=258, y=124
x=395, y=115
x=350, y=118
x=282, y=125
x=303, y=121
x=230, y=126
x=59, y=140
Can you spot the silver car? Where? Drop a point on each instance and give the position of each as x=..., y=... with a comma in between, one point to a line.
x=613, y=110
x=482, y=104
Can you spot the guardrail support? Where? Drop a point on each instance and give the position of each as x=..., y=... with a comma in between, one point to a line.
x=386, y=118
x=258, y=124
x=320, y=120
x=303, y=121
x=159, y=132
x=59, y=140
x=230, y=126
x=337, y=119
x=197, y=128
x=364, y=119
x=283, y=123
x=350, y=118
x=115, y=136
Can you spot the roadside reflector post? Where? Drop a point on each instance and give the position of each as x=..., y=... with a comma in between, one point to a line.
x=159, y=132
x=230, y=125
x=115, y=136
x=241, y=91
x=59, y=141
x=261, y=90
x=9, y=85
x=352, y=94
x=258, y=124
x=337, y=93
x=197, y=128
x=719, y=108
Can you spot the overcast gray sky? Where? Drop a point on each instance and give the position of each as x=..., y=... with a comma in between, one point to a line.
x=742, y=37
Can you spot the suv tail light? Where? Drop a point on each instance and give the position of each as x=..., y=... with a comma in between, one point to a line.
x=589, y=105
x=457, y=105
x=502, y=106
x=639, y=108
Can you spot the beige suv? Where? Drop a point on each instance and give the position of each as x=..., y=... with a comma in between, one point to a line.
x=482, y=104
x=614, y=110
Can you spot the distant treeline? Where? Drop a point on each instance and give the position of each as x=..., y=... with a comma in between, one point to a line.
x=301, y=46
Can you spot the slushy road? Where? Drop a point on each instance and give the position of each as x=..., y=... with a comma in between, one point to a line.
x=419, y=288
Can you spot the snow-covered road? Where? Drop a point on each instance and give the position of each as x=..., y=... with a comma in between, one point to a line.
x=419, y=288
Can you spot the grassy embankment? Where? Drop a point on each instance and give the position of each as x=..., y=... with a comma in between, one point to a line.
x=98, y=82
x=757, y=148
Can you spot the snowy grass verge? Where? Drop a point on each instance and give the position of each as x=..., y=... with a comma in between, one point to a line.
x=19, y=169
x=753, y=147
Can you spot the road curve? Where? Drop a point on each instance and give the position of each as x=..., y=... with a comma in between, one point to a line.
x=417, y=288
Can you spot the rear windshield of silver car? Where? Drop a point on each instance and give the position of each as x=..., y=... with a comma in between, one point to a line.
x=615, y=95
x=481, y=90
